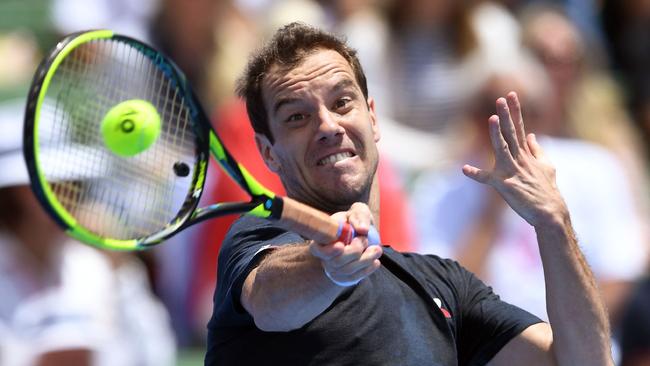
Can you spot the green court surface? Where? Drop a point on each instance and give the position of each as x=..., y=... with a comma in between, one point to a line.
x=190, y=357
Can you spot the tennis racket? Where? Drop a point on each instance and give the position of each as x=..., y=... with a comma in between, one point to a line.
x=117, y=148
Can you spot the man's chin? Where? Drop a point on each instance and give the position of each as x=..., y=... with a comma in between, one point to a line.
x=344, y=196
x=330, y=194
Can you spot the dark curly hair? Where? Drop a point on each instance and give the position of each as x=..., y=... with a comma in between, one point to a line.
x=290, y=45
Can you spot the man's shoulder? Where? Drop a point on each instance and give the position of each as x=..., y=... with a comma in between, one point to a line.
x=247, y=225
x=246, y=222
x=418, y=258
x=251, y=230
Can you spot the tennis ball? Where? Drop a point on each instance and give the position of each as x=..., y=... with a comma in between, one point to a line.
x=130, y=127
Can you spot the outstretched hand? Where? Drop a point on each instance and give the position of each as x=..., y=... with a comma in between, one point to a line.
x=522, y=174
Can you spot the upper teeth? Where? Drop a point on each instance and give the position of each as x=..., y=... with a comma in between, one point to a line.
x=334, y=158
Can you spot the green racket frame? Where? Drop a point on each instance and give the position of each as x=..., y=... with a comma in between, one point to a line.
x=263, y=203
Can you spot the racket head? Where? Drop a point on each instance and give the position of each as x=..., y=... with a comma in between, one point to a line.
x=96, y=195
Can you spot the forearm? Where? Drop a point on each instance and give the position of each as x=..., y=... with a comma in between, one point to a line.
x=288, y=289
x=576, y=312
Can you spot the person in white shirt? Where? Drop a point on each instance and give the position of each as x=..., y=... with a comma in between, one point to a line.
x=63, y=303
x=470, y=223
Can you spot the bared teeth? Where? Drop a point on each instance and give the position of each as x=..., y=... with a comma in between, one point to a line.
x=334, y=158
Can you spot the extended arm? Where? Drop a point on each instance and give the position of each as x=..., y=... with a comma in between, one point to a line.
x=289, y=287
x=526, y=180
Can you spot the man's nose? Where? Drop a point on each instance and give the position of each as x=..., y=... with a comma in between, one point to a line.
x=328, y=125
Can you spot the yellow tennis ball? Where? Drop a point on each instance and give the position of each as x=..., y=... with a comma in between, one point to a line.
x=131, y=127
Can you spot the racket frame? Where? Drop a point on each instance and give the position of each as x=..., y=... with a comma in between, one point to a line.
x=294, y=215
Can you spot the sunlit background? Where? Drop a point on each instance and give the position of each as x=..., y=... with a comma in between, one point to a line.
x=434, y=68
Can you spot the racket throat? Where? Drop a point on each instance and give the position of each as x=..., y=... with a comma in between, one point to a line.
x=224, y=208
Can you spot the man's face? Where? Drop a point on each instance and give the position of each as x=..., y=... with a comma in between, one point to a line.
x=324, y=131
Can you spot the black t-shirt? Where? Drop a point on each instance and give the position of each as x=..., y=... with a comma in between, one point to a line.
x=414, y=310
x=635, y=327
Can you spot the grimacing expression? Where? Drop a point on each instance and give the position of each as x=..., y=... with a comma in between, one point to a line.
x=324, y=131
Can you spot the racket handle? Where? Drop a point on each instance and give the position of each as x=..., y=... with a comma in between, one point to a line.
x=317, y=225
x=373, y=236
x=347, y=233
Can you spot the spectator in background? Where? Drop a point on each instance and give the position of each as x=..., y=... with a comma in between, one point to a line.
x=585, y=96
x=430, y=42
x=123, y=16
x=635, y=327
x=586, y=103
x=470, y=223
x=626, y=25
x=65, y=304
x=186, y=32
x=584, y=14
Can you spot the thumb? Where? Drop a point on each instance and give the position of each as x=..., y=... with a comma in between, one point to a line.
x=479, y=175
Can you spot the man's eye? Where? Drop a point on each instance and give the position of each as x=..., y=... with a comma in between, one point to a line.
x=341, y=103
x=296, y=117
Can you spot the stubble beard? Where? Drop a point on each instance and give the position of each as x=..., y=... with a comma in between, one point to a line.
x=329, y=200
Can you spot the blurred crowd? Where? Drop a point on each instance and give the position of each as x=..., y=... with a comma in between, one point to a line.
x=434, y=68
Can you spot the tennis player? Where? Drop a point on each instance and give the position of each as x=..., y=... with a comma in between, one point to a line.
x=284, y=300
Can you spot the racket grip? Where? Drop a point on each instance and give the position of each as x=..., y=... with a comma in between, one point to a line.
x=346, y=233
x=315, y=224
x=373, y=236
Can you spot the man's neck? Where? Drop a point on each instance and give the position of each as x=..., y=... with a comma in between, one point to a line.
x=371, y=198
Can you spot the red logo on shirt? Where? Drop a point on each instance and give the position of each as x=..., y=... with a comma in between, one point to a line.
x=445, y=312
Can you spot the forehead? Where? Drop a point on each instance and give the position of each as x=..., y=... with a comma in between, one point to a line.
x=318, y=67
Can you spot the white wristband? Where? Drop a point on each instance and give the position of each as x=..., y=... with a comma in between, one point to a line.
x=338, y=283
x=373, y=239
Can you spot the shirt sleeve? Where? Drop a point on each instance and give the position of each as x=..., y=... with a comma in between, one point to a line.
x=245, y=244
x=486, y=323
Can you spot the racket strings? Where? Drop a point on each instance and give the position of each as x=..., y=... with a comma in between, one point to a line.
x=116, y=197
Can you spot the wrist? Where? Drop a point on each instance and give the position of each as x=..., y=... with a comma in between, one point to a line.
x=340, y=283
x=557, y=221
x=556, y=230
x=555, y=216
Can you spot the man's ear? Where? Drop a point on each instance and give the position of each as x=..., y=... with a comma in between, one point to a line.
x=265, y=148
x=373, y=119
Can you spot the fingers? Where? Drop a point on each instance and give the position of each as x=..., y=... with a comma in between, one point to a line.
x=479, y=175
x=507, y=127
x=353, y=260
x=353, y=265
x=358, y=275
x=340, y=216
x=360, y=217
x=517, y=119
x=327, y=252
x=499, y=144
x=507, y=136
x=347, y=264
